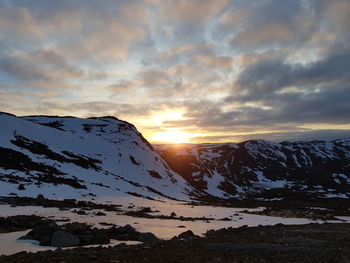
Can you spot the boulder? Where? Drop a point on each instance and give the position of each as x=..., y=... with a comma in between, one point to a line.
x=127, y=229
x=126, y=232
x=187, y=235
x=99, y=213
x=148, y=237
x=21, y=187
x=42, y=233
x=100, y=236
x=78, y=228
x=64, y=239
x=40, y=197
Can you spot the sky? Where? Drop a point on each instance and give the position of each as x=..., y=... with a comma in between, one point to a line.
x=182, y=70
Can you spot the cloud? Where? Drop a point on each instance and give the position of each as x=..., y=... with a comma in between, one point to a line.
x=272, y=22
x=153, y=78
x=265, y=78
x=184, y=11
x=179, y=53
x=84, y=30
x=121, y=86
x=45, y=64
x=307, y=135
x=255, y=67
x=219, y=62
x=260, y=98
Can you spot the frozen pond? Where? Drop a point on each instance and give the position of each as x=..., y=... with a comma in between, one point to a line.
x=162, y=228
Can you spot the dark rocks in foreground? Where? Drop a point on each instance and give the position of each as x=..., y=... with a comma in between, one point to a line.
x=20, y=223
x=74, y=234
x=279, y=243
x=64, y=239
x=187, y=235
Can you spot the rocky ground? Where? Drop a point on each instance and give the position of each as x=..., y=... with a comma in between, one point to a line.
x=322, y=209
x=84, y=207
x=81, y=234
x=279, y=243
x=21, y=222
x=310, y=213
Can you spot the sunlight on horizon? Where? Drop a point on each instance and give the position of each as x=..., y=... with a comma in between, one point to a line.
x=172, y=136
x=169, y=135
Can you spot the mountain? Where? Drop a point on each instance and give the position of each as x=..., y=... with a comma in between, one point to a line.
x=73, y=157
x=103, y=156
x=264, y=170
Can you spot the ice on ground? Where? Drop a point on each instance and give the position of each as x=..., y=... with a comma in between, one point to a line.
x=164, y=229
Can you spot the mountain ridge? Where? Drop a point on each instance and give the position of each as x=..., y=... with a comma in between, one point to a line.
x=65, y=156
x=82, y=157
x=258, y=168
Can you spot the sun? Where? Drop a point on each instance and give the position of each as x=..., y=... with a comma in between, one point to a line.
x=172, y=136
x=166, y=131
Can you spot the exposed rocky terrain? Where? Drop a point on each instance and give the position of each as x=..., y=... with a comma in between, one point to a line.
x=21, y=222
x=279, y=243
x=264, y=170
x=81, y=234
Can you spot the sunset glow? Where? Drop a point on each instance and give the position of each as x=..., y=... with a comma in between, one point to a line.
x=182, y=71
x=172, y=136
x=167, y=115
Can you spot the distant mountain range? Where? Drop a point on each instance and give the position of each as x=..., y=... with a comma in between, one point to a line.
x=264, y=170
x=65, y=157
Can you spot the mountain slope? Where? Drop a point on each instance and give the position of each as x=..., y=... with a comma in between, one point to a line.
x=263, y=169
x=68, y=156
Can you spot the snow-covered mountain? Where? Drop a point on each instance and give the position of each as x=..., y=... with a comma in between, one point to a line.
x=263, y=169
x=72, y=157
x=66, y=157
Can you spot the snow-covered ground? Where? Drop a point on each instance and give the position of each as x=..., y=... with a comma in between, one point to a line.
x=164, y=229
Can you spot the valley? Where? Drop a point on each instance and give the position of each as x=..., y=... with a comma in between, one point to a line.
x=99, y=177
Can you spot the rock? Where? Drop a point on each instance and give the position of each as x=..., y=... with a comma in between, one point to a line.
x=99, y=213
x=21, y=187
x=100, y=236
x=81, y=212
x=20, y=223
x=78, y=228
x=40, y=197
x=126, y=229
x=107, y=224
x=148, y=237
x=64, y=239
x=126, y=232
x=172, y=214
x=146, y=210
x=225, y=219
x=187, y=235
x=210, y=232
x=42, y=234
